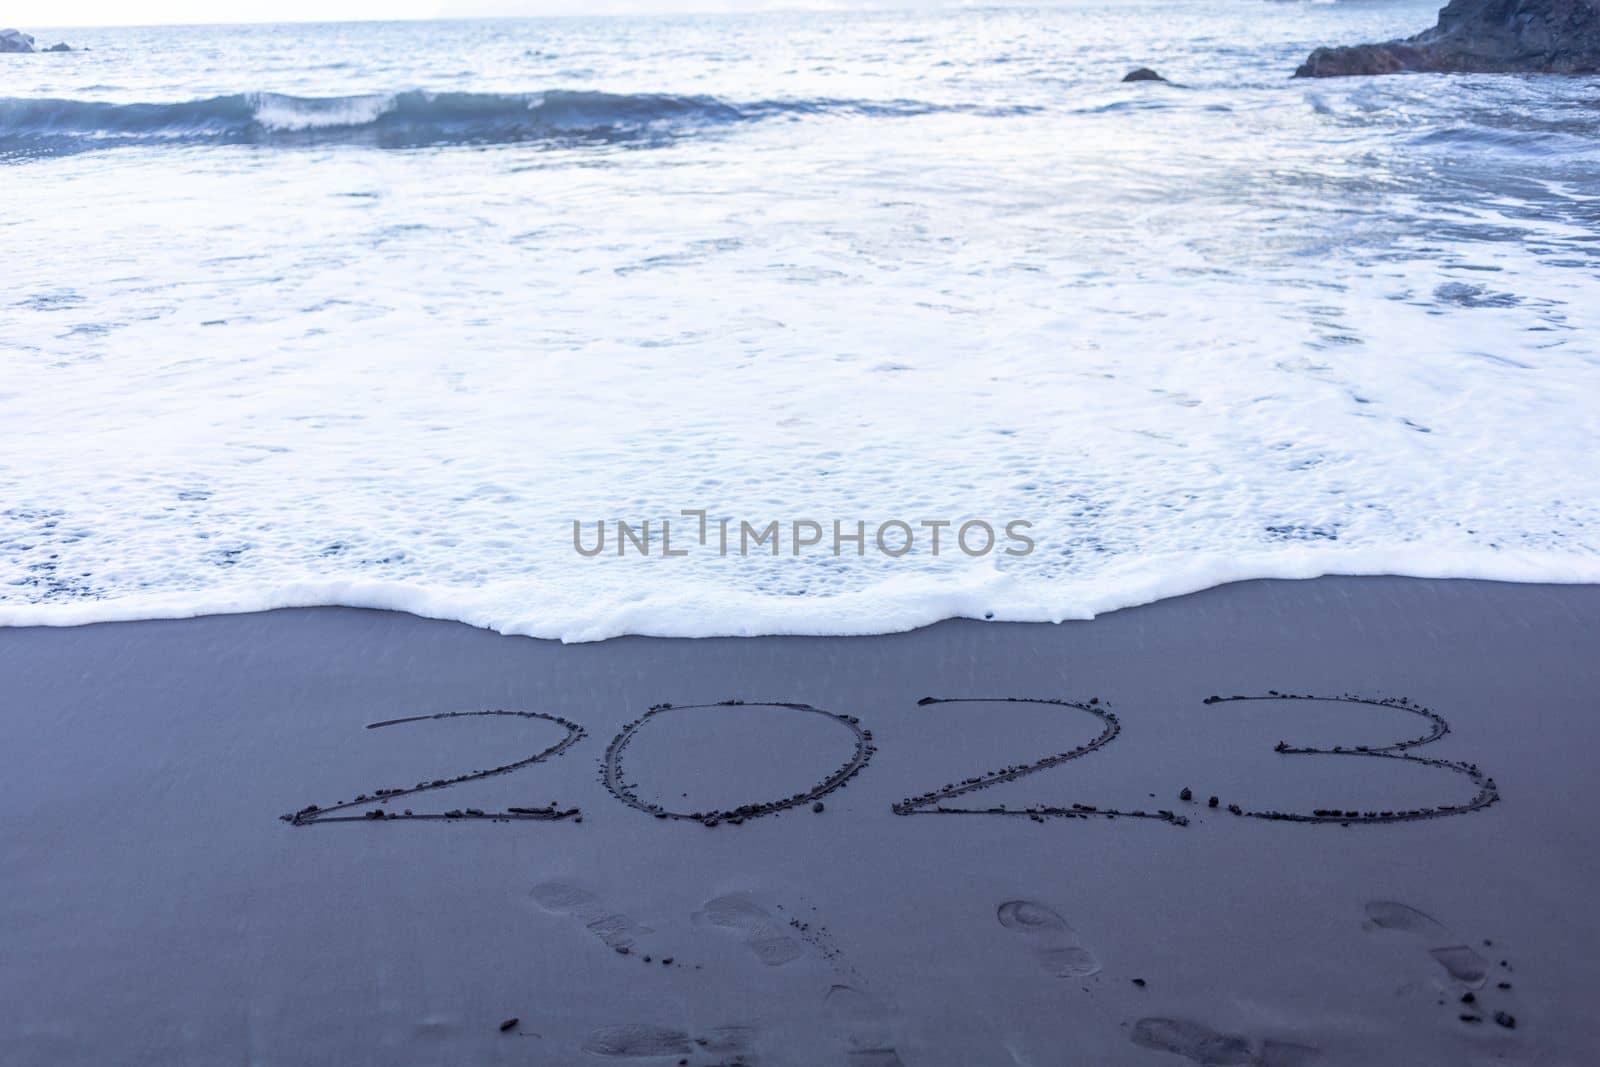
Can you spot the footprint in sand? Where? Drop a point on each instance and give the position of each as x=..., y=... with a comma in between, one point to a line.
x=1055, y=943
x=612, y=927
x=866, y=1022
x=1459, y=961
x=1211, y=1048
x=637, y=1041
x=739, y=913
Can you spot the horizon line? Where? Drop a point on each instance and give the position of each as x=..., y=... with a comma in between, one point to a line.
x=621, y=12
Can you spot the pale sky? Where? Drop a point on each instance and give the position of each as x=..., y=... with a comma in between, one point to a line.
x=30, y=14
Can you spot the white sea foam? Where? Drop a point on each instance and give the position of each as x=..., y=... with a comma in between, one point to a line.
x=682, y=609
x=1241, y=327
x=286, y=113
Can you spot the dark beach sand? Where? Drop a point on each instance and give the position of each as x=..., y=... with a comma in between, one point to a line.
x=155, y=909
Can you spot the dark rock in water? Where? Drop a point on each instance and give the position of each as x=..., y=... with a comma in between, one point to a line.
x=1143, y=74
x=1480, y=37
x=1506, y=1019
x=15, y=41
x=59, y=46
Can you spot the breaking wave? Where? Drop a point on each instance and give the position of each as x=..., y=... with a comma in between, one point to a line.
x=412, y=119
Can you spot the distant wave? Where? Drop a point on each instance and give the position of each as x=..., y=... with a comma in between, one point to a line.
x=411, y=119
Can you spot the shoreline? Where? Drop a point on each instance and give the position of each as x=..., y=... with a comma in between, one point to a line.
x=965, y=597
x=974, y=885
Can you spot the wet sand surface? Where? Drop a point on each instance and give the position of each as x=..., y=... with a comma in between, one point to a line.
x=971, y=844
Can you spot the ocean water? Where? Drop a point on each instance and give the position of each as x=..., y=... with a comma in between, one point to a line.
x=372, y=314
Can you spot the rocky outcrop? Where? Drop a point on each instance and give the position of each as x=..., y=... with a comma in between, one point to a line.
x=1143, y=74
x=60, y=46
x=1480, y=37
x=15, y=41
